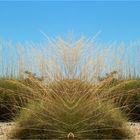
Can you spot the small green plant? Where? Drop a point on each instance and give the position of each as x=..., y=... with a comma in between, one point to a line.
x=70, y=109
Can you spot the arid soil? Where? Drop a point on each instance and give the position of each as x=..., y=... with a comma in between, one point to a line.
x=6, y=127
x=4, y=130
x=135, y=128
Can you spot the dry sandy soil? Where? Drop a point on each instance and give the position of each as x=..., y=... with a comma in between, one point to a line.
x=6, y=127
x=135, y=128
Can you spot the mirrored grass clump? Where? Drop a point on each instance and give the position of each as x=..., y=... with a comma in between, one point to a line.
x=71, y=110
x=70, y=89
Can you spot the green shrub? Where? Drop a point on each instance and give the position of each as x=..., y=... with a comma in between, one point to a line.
x=70, y=109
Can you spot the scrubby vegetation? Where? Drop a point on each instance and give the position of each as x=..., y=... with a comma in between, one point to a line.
x=126, y=94
x=13, y=95
x=62, y=91
x=71, y=109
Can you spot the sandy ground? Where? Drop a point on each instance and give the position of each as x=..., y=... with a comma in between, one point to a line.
x=4, y=130
x=6, y=127
x=135, y=128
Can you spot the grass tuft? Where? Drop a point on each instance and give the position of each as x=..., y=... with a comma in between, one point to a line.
x=126, y=95
x=14, y=95
x=70, y=109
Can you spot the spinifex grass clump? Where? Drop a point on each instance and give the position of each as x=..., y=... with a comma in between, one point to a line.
x=12, y=96
x=70, y=109
x=71, y=105
x=15, y=94
x=126, y=95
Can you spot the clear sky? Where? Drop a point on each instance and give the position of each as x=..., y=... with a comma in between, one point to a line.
x=117, y=21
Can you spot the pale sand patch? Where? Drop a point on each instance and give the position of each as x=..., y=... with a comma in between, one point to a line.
x=6, y=127
x=135, y=128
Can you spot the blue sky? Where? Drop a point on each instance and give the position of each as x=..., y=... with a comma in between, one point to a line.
x=23, y=21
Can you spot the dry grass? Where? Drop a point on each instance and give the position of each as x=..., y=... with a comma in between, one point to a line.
x=72, y=58
x=70, y=109
x=126, y=94
x=69, y=99
x=13, y=95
